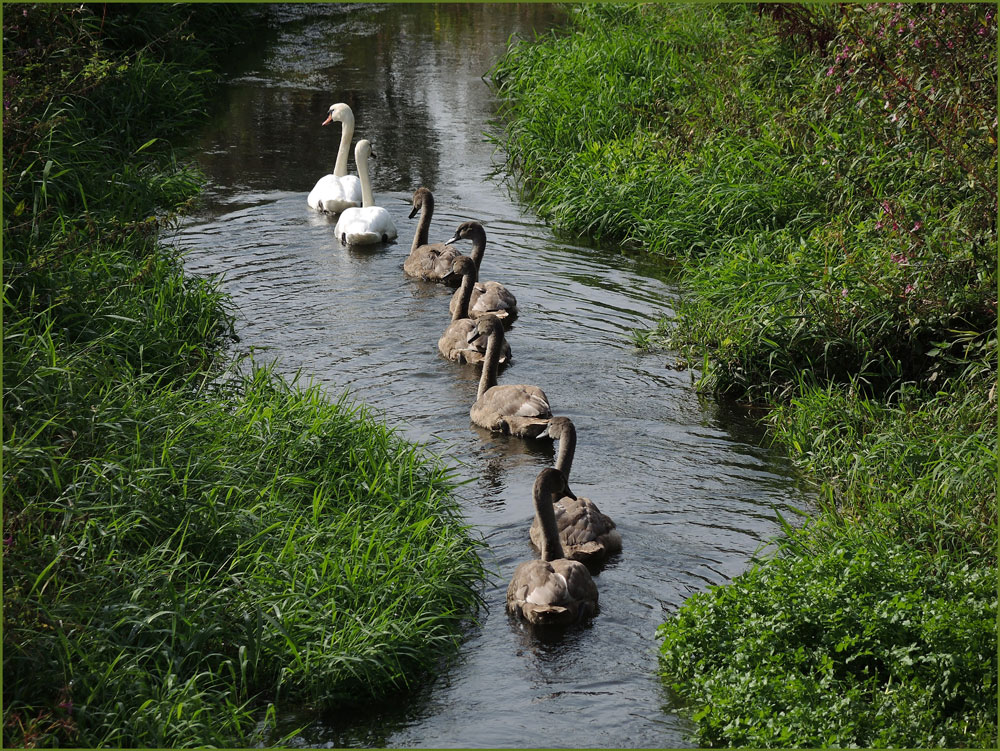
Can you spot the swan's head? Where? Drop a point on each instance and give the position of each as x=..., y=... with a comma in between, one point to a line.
x=463, y=266
x=363, y=150
x=550, y=483
x=339, y=112
x=468, y=231
x=421, y=197
x=486, y=326
x=557, y=428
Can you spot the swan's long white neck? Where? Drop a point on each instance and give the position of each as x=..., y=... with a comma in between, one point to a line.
x=567, y=447
x=491, y=362
x=424, y=223
x=346, y=133
x=545, y=511
x=367, y=199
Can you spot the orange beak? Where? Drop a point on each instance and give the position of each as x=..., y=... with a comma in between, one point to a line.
x=329, y=119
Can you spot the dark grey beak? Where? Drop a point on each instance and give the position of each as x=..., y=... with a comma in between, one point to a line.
x=413, y=211
x=473, y=335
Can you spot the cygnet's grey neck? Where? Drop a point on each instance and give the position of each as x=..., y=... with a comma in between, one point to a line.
x=478, y=237
x=567, y=449
x=424, y=223
x=544, y=493
x=491, y=361
x=464, y=295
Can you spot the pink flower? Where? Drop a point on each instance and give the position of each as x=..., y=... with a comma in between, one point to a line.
x=899, y=258
x=829, y=71
x=843, y=292
x=916, y=226
x=838, y=89
x=908, y=289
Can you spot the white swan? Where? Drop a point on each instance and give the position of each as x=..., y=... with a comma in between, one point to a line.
x=339, y=191
x=370, y=223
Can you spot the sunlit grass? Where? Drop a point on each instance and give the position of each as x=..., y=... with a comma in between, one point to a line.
x=826, y=176
x=189, y=542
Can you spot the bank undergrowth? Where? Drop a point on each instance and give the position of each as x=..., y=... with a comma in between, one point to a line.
x=188, y=542
x=826, y=176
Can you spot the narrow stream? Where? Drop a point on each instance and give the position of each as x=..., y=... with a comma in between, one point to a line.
x=693, y=492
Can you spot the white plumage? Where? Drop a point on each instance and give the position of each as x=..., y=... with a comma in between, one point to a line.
x=368, y=224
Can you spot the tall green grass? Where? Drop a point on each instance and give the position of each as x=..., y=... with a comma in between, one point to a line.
x=195, y=548
x=826, y=176
x=189, y=543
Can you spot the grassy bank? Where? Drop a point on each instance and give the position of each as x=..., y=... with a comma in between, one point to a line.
x=188, y=542
x=826, y=177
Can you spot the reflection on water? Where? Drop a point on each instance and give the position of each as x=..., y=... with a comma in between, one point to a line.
x=690, y=488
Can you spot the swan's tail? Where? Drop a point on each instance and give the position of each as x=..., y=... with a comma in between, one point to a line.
x=336, y=205
x=360, y=238
x=546, y=614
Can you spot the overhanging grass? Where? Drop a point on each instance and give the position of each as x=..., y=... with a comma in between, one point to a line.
x=187, y=541
x=827, y=177
x=242, y=540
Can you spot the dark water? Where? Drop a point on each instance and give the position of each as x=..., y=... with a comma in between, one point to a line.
x=690, y=488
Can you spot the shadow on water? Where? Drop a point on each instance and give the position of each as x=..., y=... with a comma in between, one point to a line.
x=689, y=485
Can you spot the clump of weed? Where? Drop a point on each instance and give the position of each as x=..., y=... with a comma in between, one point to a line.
x=859, y=645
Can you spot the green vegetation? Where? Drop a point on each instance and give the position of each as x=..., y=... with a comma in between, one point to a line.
x=827, y=178
x=188, y=541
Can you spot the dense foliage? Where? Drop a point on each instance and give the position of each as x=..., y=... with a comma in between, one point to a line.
x=827, y=177
x=187, y=541
x=885, y=648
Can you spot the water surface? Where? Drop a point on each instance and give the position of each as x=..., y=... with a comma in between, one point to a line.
x=690, y=487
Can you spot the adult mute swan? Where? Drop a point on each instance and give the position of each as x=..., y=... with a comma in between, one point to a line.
x=432, y=263
x=370, y=223
x=488, y=297
x=454, y=342
x=553, y=590
x=516, y=409
x=584, y=532
x=339, y=191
